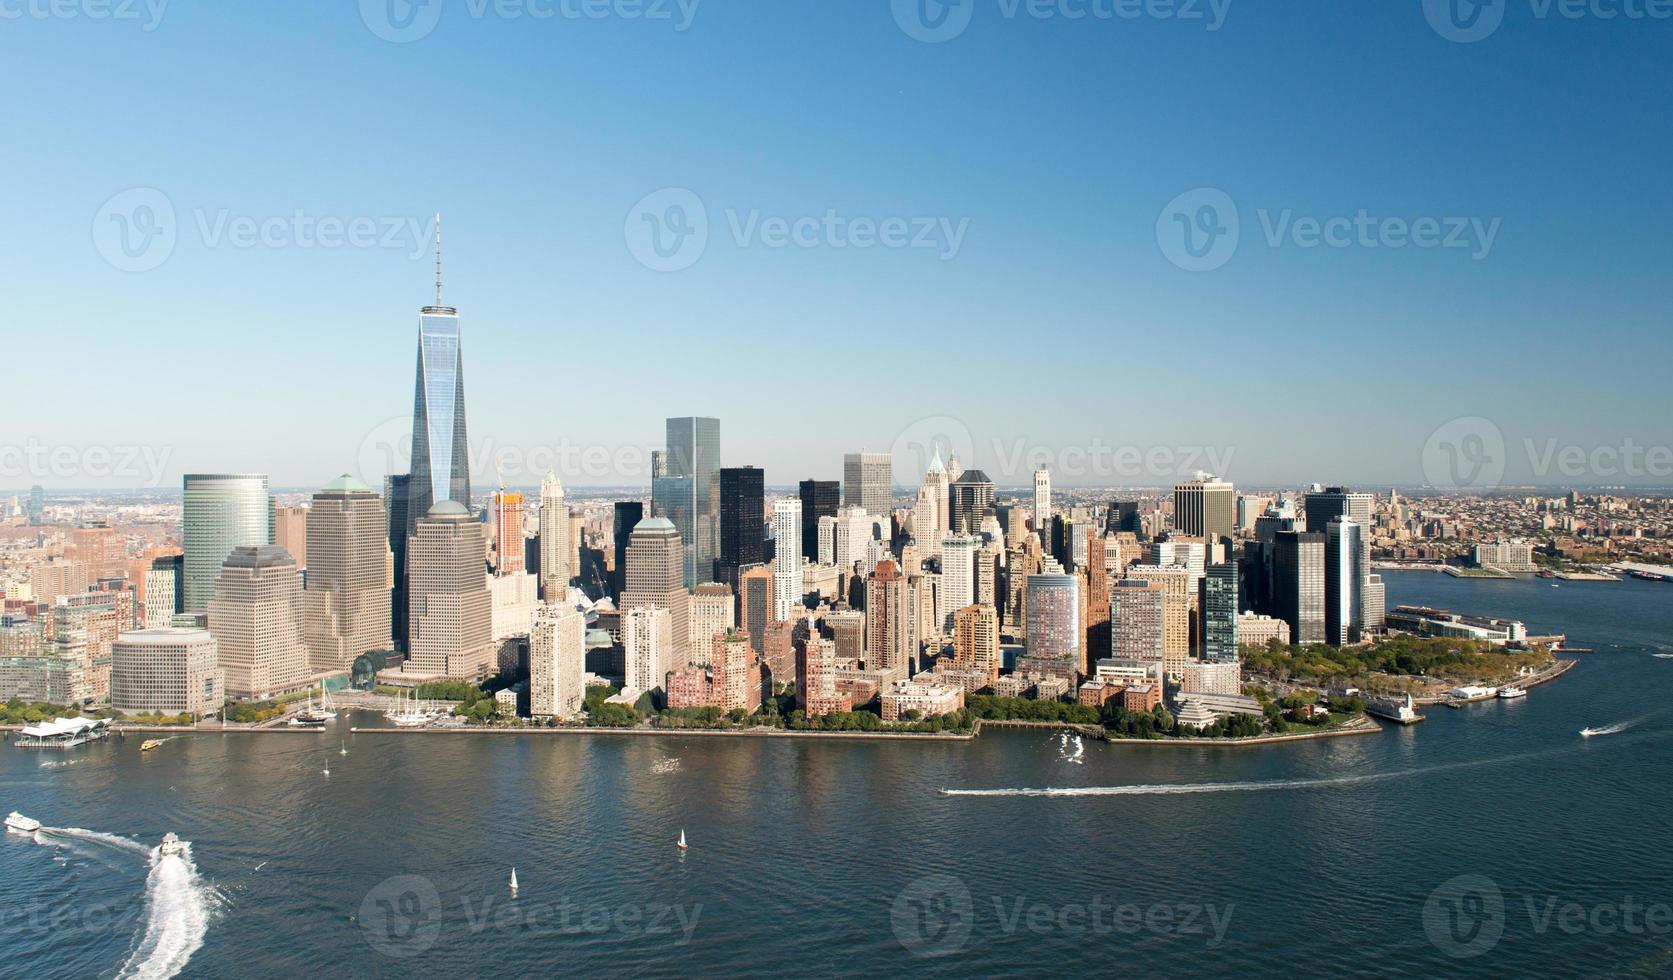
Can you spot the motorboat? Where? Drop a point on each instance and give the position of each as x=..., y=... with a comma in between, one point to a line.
x=173, y=846
x=17, y=823
x=1512, y=693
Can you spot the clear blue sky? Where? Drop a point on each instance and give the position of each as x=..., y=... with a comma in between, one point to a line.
x=1060, y=322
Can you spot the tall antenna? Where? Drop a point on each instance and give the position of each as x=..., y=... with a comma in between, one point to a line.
x=438, y=258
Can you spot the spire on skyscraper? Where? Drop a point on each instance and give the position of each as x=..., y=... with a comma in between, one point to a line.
x=438, y=258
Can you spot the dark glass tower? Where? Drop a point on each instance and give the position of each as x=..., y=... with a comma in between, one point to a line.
x=968, y=497
x=628, y=514
x=820, y=498
x=397, y=492
x=742, y=522
x=688, y=493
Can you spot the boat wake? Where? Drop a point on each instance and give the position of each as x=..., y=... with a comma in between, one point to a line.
x=177, y=901
x=1614, y=729
x=1072, y=749
x=664, y=766
x=1322, y=782
x=178, y=910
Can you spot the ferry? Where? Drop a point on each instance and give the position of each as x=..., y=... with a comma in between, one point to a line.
x=150, y=744
x=1512, y=693
x=172, y=846
x=17, y=823
x=306, y=719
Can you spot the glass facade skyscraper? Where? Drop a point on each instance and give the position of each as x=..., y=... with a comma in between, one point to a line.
x=743, y=523
x=440, y=455
x=221, y=512
x=686, y=491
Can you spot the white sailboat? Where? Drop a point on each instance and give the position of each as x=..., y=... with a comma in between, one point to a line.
x=327, y=710
x=682, y=843
x=513, y=881
x=343, y=748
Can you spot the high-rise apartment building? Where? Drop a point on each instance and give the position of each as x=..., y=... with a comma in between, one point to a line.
x=162, y=591
x=256, y=619
x=1219, y=613
x=958, y=577
x=891, y=635
x=711, y=613
x=505, y=532
x=1138, y=629
x=220, y=512
x=755, y=604
x=647, y=643
x=346, y=603
x=556, y=546
x=787, y=558
x=557, y=663
x=976, y=639
x=1054, y=626
x=868, y=481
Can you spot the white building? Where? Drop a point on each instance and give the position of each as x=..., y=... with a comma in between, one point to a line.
x=516, y=598
x=170, y=671
x=787, y=560
x=557, y=663
x=1042, y=504
x=556, y=549
x=958, y=577
x=648, y=643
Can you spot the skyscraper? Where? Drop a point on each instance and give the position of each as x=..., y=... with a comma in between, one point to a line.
x=397, y=495
x=1344, y=596
x=555, y=545
x=820, y=498
x=452, y=607
x=37, y=505
x=1042, y=503
x=1138, y=630
x=687, y=492
x=346, y=603
x=1205, y=508
x=787, y=557
x=868, y=481
x=440, y=453
x=625, y=517
x=162, y=591
x=968, y=497
x=742, y=524
x=958, y=577
x=1054, y=628
x=222, y=511
x=647, y=643
x=1330, y=504
x=1219, y=613
x=290, y=532
x=505, y=532
x=891, y=635
x=655, y=565
x=256, y=619
x=976, y=639
x=1298, y=567
x=557, y=663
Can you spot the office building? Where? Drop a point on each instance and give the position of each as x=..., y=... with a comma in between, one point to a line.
x=162, y=591
x=505, y=532
x=256, y=619
x=820, y=498
x=1298, y=574
x=647, y=645
x=712, y=613
x=168, y=671
x=968, y=498
x=451, y=605
x=868, y=482
x=1205, y=508
x=1218, y=609
x=755, y=604
x=685, y=489
x=1042, y=502
x=220, y=512
x=346, y=603
x=743, y=522
x=440, y=468
x=397, y=496
x=656, y=579
x=626, y=515
x=958, y=577
x=290, y=532
x=1344, y=597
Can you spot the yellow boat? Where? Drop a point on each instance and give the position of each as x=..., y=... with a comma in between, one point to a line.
x=150, y=744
